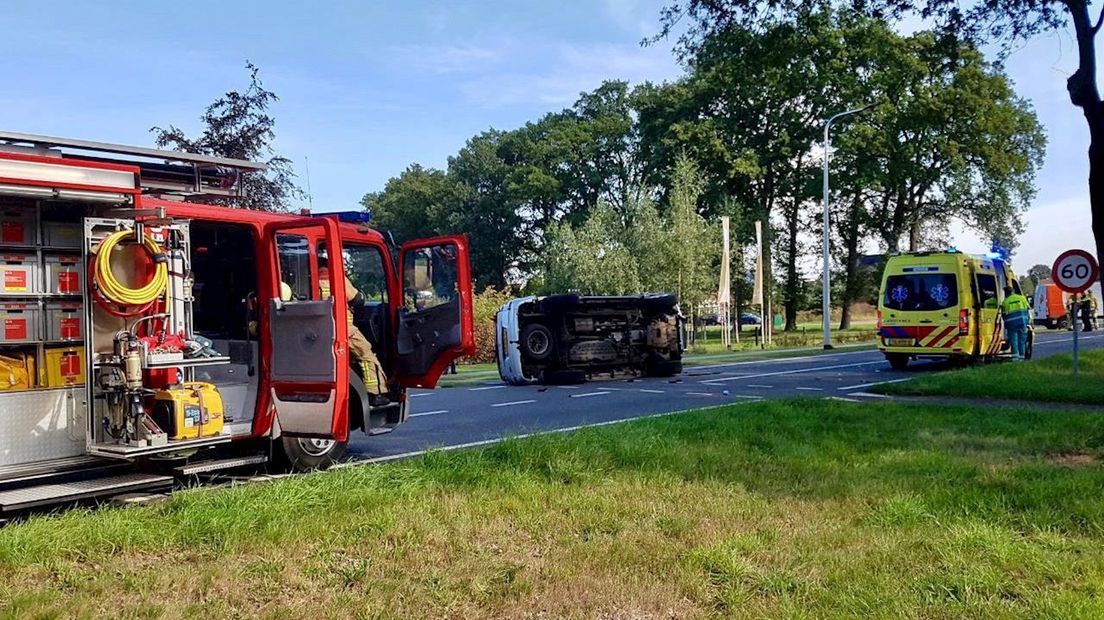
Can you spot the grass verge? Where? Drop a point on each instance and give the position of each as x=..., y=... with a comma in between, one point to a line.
x=780, y=509
x=1043, y=380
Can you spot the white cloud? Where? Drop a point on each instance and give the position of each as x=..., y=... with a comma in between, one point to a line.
x=460, y=58
x=556, y=74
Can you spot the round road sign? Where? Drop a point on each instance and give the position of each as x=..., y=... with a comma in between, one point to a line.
x=1075, y=271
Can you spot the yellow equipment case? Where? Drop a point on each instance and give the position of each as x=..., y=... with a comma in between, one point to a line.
x=188, y=411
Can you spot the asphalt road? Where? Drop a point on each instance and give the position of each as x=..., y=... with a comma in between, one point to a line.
x=483, y=413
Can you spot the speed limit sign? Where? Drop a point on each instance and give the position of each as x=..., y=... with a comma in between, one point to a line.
x=1075, y=271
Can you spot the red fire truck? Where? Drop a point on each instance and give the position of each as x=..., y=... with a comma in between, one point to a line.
x=148, y=334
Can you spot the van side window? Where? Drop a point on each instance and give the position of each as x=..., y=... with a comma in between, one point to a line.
x=987, y=290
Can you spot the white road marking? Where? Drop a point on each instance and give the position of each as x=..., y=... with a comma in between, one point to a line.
x=810, y=389
x=438, y=412
x=866, y=385
x=421, y=394
x=699, y=394
x=750, y=397
x=652, y=391
x=513, y=402
x=486, y=387
x=761, y=387
x=784, y=360
x=796, y=371
x=496, y=440
x=870, y=395
x=589, y=394
x=569, y=387
x=846, y=400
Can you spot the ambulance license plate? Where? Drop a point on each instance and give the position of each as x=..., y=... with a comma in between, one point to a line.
x=901, y=342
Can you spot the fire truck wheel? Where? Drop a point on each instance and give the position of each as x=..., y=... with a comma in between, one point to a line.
x=306, y=453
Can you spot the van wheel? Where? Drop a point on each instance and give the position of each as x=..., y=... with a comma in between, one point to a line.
x=897, y=361
x=663, y=368
x=1029, y=348
x=536, y=342
x=307, y=453
x=1063, y=323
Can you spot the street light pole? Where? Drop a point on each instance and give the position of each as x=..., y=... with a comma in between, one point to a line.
x=826, y=282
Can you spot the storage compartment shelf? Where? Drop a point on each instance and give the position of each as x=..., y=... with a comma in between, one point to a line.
x=128, y=452
x=189, y=363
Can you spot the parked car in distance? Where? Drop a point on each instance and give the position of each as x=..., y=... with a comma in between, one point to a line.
x=564, y=339
x=747, y=318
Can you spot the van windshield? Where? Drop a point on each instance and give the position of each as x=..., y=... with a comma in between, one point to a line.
x=921, y=292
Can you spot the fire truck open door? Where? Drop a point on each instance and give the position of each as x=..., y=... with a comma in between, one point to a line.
x=308, y=369
x=435, y=312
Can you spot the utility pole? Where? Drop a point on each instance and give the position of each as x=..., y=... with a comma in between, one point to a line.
x=826, y=281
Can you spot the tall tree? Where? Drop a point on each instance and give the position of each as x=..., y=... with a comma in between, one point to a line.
x=238, y=125
x=1002, y=21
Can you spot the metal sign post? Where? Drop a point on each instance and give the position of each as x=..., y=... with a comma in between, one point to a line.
x=1074, y=271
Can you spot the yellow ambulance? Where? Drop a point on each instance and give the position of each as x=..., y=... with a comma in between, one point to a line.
x=944, y=305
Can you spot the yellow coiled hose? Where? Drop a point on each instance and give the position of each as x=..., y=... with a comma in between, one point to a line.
x=109, y=286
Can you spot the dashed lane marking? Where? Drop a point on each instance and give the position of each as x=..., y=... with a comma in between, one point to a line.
x=796, y=371
x=486, y=387
x=437, y=412
x=699, y=394
x=810, y=389
x=846, y=400
x=491, y=442
x=513, y=402
x=421, y=394
x=866, y=385
x=589, y=394
x=652, y=391
x=870, y=395
x=760, y=387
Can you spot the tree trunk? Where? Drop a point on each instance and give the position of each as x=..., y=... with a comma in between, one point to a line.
x=1084, y=94
x=851, y=264
x=914, y=235
x=793, y=285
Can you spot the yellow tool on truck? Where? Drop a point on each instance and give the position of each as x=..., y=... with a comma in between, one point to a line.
x=944, y=305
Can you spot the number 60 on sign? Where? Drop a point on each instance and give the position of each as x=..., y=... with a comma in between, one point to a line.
x=1075, y=271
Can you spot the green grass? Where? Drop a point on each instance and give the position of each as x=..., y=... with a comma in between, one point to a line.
x=781, y=509
x=1044, y=380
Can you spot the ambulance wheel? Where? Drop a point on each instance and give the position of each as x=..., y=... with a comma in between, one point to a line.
x=307, y=453
x=897, y=361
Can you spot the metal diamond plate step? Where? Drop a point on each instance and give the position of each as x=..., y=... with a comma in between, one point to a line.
x=204, y=467
x=18, y=499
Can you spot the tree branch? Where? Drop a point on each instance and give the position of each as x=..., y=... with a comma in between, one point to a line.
x=1099, y=21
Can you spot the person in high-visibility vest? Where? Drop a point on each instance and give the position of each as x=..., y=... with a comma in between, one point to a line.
x=1017, y=316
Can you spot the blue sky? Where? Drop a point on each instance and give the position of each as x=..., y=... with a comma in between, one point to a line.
x=368, y=87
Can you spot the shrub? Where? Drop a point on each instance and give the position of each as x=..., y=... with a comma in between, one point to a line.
x=484, y=306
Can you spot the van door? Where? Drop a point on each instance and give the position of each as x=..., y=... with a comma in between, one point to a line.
x=989, y=332
x=434, y=316
x=307, y=372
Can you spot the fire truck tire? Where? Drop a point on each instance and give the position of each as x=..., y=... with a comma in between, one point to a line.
x=307, y=454
x=898, y=361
